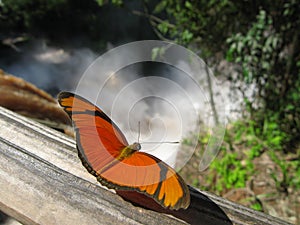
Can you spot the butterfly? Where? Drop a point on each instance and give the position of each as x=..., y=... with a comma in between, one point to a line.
x=106, y=154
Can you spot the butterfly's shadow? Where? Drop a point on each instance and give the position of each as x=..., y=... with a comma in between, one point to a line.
x=202, y=209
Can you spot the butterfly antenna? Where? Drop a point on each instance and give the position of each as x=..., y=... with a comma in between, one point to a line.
x=139, y=131
x=161, y=142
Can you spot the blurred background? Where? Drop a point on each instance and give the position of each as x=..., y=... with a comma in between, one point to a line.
x=252, y=47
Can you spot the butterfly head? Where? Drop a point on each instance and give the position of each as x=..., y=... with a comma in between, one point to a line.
x=135, y=146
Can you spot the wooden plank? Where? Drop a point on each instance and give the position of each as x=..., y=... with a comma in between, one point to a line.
x=43, y=182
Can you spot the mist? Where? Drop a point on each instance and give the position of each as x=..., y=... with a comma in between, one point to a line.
x=50, y=68
x=164, y=99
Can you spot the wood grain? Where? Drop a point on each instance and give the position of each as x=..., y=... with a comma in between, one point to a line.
x=43, y=182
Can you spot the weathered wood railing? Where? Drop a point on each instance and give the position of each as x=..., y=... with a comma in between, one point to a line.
x=43, y=182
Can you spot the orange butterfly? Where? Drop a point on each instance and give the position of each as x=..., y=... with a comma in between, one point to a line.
x=106, y=154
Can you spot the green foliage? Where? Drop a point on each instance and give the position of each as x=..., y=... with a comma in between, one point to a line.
x=51, y=17
x=258, y=138
x=254, y=49
x=23, y=13
x=296, y=181
x=230, y=172
x=233, y=168
x=197, y=22
x=187, y=142
x=262, y=38
x=266, y=61
x=290, y=173
x=282, y=184
x=257, y=206
x=115, y=2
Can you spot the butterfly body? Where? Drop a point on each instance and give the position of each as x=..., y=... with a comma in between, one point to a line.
x=106, y=154
x=129, y=150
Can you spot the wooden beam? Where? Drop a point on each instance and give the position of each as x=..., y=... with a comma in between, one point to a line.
x=43, y=182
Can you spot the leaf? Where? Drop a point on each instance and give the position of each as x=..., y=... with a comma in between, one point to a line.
x=160, y=7
x=188, y=5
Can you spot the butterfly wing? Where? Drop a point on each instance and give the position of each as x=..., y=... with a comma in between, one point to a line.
x=99, y=140
x=101, y=146
x=153, y=177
